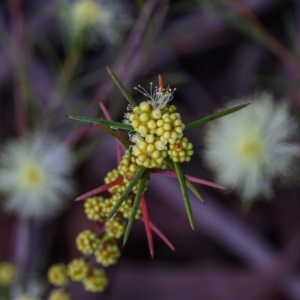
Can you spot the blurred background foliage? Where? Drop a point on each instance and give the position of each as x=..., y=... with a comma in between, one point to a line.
x=211, y=51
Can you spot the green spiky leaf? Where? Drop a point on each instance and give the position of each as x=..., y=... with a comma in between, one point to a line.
x=122, y=138
x=97, y=121
x=121, y=87
x=135, y=207
x=215, y=116
x=129, y=188
x=183, y=187
x=189, y=184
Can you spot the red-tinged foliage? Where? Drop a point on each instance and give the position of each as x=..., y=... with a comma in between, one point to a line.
x=146, y=220
x=100, y=189
x=191, y=178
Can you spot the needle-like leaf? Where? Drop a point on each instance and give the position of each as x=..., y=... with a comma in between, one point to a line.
x=100, y=189
x=146, y=220
x=162, y=236
x=120, y=147
x=191, y=178
x=183, y=186
x=110, y=124
x=121, y=87
x=122, y=138
x=170, y=163
x=129, y=188
x=215, y=116
x=135, y=207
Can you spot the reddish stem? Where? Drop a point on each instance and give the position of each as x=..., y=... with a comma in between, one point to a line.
x=100, y=189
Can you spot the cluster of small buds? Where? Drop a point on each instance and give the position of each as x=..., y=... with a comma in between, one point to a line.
x=149, y=151
x=78, y=269
x=59, y=294
x=158, y=129
x=87, y=242
x=157, y=135
x=108, y=252
x=128, y=167
x=115, y=227
x=93, y=280
x=111, y=176
x=181, y=151
x=96, y=281
x=93, y=207
x=58, y=275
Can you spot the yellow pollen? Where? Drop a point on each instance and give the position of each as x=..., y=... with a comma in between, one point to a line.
x=250, y=149
x=32, y=176
x=86, y=13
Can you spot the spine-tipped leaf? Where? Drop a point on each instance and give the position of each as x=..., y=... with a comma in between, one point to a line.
x=215, y=116
x=135, y=207
x=183, y=187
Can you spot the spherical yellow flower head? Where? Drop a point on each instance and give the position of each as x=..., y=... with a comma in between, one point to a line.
x=115, y=227
x=108, y=252
x=86, y=14
x=107, y=205
x=111, y=176
x=181, y=151
x=93, y=208
x=59, y=295
x=77, y=269
x=170, y=128
x=149, y=151
x=7, y=273
x=96, y=281
x=128, y=166
x=57, y=275
x=87, y=242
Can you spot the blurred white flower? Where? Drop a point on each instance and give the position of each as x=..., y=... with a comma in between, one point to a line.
x=34, y=176
x=248, y=148
x=25, y=297
x=94, y=20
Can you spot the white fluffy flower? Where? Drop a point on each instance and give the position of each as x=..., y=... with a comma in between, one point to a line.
x=34, y=176
x=248, y=148
x=95, y=19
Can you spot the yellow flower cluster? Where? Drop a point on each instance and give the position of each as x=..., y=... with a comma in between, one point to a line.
x=87, y=242
x=96, y=281
x=108, y=252
x=59, y=294
x=158, y=134
x=7, y=273
x=158, y=131
x=93, y=280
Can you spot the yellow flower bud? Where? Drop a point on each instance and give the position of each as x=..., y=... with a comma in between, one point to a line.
x=77, y=269
x=57, y=275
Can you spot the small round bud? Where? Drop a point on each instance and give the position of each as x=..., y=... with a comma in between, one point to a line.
x=77, y=269
x=59, y=295
x=57, y=275
x=96, y=281
x=145, y=106
x=107, y=252
x=156, y=114
x=87, y=242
